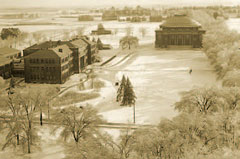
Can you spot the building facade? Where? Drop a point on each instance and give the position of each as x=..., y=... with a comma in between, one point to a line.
x=7, y=57
x=179, y=30
x=80, y=47
x=54, y=61
x=80, y=52
x=92, y=50
x=5, y=67
x=50, y=65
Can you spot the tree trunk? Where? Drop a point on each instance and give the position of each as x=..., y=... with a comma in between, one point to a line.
x=134, y=120
x=92, y=83
x=48, y=110
x=29, y=145
x=17, y=139
x=41, y=122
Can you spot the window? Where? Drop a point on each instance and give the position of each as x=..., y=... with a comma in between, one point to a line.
x=30, y=61
x=42, y=61
x=46, y=60
x=46, y=68
x=42, y=68
x=37, y=61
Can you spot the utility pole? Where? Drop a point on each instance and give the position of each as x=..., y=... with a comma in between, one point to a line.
x=134, y=118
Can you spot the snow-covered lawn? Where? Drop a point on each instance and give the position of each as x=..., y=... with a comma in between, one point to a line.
x=158, y=77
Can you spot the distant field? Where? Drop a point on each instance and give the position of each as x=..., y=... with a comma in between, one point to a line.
x=234, y=23
x=54, y=28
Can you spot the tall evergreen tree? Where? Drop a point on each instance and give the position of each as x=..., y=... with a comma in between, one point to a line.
x=129, y=97
x=121, y=88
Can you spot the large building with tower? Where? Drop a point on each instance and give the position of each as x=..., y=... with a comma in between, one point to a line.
x=180, y=31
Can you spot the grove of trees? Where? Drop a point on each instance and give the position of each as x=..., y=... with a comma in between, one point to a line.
x=125, y=94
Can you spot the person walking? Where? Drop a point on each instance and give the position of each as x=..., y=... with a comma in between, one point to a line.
x=190, y=71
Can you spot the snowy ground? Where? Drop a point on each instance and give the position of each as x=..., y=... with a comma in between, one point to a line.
x=50, y=147
x=234, y=24
x=158, y=76
x=55, y=28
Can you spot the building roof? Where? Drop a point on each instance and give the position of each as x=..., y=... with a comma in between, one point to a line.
x=4, y=61
x=89, y=42
x=6, y=51
x=65, y=50
x=180, y=21
x=79, y=43
x=51, y=52
x=50, y=44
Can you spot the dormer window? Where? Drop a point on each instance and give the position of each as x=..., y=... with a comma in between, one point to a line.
x=60, y=50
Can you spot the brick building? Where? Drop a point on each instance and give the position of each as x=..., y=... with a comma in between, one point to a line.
x=92, y=50
x=5, y=67
x=180, y=31
x=81, y=51
x=49, y=65
x=7, y=56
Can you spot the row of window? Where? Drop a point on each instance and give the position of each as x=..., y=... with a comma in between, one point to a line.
x=64, y=67
x=41, y=77
x=35, y=69
x=65, y=59
x=50, y=61
x=181, y=29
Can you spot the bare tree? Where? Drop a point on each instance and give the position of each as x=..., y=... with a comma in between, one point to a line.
x=37, y=36
x=66, y=35
x=78, y=122
x=126, y=144
x=122, y=148
x=115, y=31
x=80, y=31
x=20, y=122
x=128, y=31
x=143, y=31
x=129, y=42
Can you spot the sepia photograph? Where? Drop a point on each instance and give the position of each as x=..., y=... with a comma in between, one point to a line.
x=120, y=79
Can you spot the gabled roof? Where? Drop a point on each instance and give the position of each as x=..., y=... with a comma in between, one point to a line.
x=89, y=42
x=79, y=43
x=45, y=53
x=65, y=50
x=50, y=44
x=180, y=21
x=6, y=51
x=51, y=52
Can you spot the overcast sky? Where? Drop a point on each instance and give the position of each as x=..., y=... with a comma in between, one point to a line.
x=95, y=3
